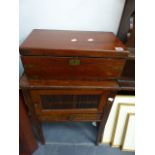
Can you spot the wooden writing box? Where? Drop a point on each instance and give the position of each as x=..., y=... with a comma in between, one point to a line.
x=74, y=55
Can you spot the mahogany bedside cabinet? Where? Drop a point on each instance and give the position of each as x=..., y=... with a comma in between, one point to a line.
x=71, y=76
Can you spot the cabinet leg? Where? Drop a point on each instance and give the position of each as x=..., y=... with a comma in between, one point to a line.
x=99, y=134
x=35, y=122
x=40, y=134
x=38, y=130
x=97, y=124
x=102, y=124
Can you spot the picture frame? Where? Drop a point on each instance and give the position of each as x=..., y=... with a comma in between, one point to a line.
x=108, y=132
x=119, y=125
x=128, y=142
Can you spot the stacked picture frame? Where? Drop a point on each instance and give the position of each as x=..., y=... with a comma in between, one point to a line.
x=128, y=142
x=119, y=129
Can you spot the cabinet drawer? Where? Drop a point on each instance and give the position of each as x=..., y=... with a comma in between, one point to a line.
x=73, y=68
x=71, y=117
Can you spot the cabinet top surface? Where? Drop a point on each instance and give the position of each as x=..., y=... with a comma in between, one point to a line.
x=66, y=84
x=62, y=42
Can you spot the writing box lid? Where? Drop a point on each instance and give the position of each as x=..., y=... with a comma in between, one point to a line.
x=73, y=43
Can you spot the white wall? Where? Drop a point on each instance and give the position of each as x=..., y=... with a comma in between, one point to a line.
x=95, y=15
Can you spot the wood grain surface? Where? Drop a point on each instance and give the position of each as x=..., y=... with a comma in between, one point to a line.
x=59, y=42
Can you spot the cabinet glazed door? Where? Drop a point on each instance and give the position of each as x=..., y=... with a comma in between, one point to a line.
x=68, y=101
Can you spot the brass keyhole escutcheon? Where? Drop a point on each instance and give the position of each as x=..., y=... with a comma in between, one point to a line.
x=74, y=62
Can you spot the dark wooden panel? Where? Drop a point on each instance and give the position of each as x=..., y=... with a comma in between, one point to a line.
x=127, y=84
x=124, y=27
x=126, y=34
x=62, y=68
x=126, y=92
x=129, y=70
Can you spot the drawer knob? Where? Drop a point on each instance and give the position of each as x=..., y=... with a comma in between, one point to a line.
x=71, y=118
x=110, y=99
